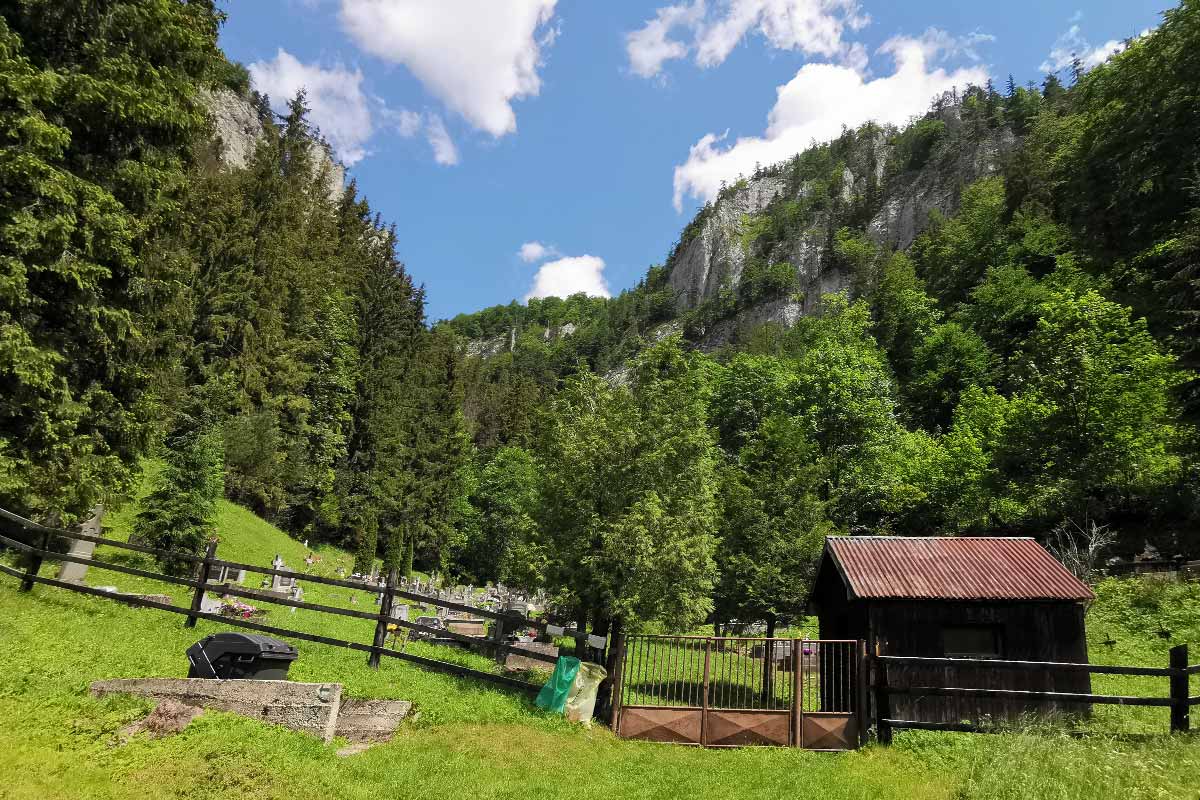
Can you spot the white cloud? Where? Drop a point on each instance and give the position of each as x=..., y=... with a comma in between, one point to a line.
x=477, y=56
x=818, y=101
x=338, y=106
x=1072, y=44
x=536, y=251
x=409, y=123
x=650, y=46
x=444, y=151
x=813, y=27
x=567, y=276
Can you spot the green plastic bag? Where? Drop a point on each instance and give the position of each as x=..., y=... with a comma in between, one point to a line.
x=553, y=696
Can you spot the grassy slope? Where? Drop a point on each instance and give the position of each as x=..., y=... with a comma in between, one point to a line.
x=482, y=742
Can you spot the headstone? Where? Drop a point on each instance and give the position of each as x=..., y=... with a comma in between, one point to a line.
x=297, y=595
x=241, y=576
x=400, y=611
x=71, y=572
x=209, y=606
x=277, y=580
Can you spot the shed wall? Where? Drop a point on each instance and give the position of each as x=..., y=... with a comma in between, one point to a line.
x=1030, y=631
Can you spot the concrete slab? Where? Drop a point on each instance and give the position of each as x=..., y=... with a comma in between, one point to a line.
x=370, y=720
x=308, y=707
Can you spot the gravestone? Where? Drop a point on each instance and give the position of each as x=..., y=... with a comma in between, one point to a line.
x=277, y=580
x=241, y=576
x=71, y=572
x=400, y=611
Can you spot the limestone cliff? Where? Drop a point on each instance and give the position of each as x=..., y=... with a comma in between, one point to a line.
x=237, y=128
x=869, y=188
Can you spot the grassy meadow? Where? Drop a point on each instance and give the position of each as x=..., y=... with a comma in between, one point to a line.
x=475, y=741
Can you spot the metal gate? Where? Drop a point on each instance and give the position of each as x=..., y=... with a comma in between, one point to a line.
x=736, y=691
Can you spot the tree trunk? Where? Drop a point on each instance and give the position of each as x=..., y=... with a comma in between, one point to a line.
x=768, y=671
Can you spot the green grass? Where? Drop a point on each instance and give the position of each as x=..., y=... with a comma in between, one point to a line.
x=472, y=740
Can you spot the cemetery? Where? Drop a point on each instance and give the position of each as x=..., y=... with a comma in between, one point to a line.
x=741, y=664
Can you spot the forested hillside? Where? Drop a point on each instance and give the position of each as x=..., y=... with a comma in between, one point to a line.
x=244, y=321
x=983, y=323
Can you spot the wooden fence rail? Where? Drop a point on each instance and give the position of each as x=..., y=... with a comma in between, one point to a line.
x=1178, y=671
x=36, y=555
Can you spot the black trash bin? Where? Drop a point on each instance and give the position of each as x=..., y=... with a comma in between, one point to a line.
x=240, y=655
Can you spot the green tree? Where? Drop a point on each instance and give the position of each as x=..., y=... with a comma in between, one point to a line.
x=953, y=254
x=773, y=525
x=99, y=109
x=904, y=313
x=628, y=507
x=946, y=363
x=181, y=509
x=506, y=546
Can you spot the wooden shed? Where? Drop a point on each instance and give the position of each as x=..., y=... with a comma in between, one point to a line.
x=965, y=597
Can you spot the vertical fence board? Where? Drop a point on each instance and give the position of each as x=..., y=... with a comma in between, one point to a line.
x=1181, y=705
x=34, y=565
x=202, y=581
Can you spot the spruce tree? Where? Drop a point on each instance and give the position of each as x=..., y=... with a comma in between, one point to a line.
x=99, y=109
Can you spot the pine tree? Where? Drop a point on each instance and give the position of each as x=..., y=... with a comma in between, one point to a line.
x=99, y=110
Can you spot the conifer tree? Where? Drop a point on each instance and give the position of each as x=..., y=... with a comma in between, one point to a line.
x=99, y=108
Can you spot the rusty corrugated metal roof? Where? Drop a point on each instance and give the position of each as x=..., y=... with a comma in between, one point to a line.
x=952, y=568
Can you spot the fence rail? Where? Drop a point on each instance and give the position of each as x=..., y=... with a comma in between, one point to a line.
x=1179, y=700
x=36, y=555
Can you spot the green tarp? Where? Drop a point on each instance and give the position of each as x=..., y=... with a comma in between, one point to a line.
x=553, y=696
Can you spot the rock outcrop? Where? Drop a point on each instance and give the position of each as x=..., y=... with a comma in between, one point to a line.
x=237, y=129
x=715, y=257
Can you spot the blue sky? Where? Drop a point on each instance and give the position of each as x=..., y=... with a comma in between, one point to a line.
x=583, y=134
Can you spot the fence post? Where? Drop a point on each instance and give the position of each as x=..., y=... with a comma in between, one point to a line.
x=863, y=698
x=1180, y=706
x=34, y=564
x=797, y=692
x=704, y=698
x=883, y=704
x=616, y=675
x=205, y=568
x=498, y=636
x=385, y=616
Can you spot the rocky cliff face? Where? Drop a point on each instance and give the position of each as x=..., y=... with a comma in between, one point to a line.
x=237, y=129
x=716, y=256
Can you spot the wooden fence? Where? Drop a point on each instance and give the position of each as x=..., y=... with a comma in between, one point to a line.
x=1178, y=671
x=36, y=555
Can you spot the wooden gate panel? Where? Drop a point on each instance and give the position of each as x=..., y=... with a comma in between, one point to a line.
x=736, y=691
x=675, y=725
x=741, y=728
x=828, y=731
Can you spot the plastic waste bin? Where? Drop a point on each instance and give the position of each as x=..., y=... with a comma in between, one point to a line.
x=553, y=696
x=240, y=655
x=581, y=702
